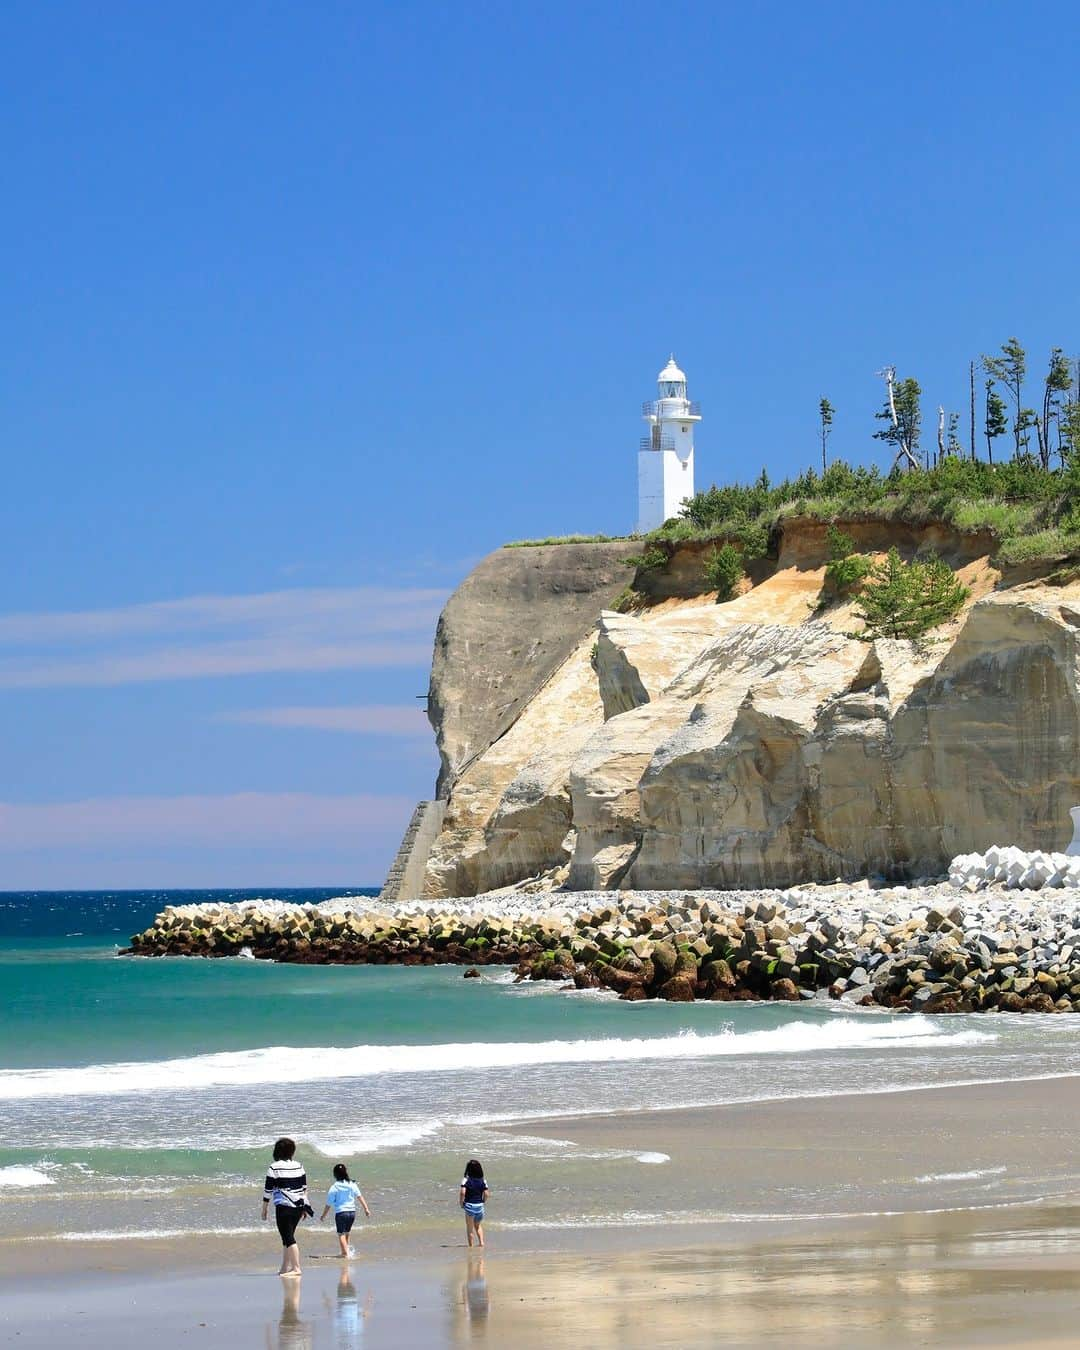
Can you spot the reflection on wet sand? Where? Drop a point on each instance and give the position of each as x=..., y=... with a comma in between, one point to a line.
x=474, y=1295
x=293, y=1331
x=346, y=1313
x=959, y=1279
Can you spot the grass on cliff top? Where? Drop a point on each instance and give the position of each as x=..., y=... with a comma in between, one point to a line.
x=1032, y=513
x=569, y=539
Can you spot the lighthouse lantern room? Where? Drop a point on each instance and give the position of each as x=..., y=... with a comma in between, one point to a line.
x=666, y=454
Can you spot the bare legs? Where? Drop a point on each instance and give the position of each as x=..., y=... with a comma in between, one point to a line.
x=474, y=1227
x=290, y=1260
x=343, y=1243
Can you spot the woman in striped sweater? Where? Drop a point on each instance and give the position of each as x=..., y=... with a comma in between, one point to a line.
x=286, y=1185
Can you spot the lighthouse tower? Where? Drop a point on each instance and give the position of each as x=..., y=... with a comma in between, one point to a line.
x=666, y=454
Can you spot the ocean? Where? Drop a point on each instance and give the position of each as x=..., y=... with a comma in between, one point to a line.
x=141, y=1097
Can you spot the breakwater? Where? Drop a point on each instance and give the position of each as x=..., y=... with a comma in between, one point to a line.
x=925, y=948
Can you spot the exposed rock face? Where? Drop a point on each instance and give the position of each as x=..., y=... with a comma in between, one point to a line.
x=506, y=629
x=752, y=744
x=636, y=661
x=509, y=813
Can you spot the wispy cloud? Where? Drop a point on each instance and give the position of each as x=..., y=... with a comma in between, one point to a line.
x=369, y=720
x=303, y=629
x=238, y=820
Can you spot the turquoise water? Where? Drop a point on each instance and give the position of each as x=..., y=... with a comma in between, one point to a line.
x=141, y=1096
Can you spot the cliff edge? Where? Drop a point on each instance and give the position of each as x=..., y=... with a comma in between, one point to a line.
x=751, y=743
x=512, y=622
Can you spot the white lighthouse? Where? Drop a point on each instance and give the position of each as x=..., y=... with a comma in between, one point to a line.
x=666, y=454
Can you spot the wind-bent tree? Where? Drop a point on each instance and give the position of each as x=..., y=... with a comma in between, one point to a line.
x=826, y=409
x=903, y=416
x=1009, y=369
x=996, y=422
x=1058, y=382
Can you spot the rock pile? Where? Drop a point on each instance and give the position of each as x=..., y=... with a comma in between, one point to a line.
x=903, y=948
x=1015, y=869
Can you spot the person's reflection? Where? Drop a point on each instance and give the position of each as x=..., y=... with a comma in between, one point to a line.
x=474, y=1292
x=294, y=1333
x=348, y=1316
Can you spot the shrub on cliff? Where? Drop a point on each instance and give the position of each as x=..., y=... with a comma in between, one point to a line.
x=845, y=567
x=1009, y=501
x=906, y=600
x=724, y=569
x=652, y=560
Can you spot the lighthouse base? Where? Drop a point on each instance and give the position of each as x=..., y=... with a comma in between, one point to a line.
x=665, y=482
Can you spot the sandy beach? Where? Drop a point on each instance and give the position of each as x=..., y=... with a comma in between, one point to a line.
x=950, y=1272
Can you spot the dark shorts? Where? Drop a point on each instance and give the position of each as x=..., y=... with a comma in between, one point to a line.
x=287, y=1218
x=343, y=1222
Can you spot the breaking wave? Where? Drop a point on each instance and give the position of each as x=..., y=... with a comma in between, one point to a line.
x=283, y=1064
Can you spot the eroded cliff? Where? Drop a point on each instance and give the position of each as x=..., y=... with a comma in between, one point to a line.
x=757, y=742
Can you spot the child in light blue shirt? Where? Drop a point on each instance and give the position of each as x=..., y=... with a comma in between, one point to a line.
x=341, y=1198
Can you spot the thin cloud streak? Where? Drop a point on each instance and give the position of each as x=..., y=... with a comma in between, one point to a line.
x=384, y=609
x=237, y=820
x=218, y=659
x=313, y=629
x=370, y=720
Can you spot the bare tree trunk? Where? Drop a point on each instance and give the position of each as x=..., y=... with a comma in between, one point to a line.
x=972, y=375
x=1044, y=434
x=940, y=433
x=905, y=449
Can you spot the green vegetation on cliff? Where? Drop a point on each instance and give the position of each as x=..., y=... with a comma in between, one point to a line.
x=565, y=539
x=724, y=569
x=1032, y=513
x=907, y=600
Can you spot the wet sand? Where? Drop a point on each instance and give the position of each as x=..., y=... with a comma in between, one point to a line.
x=922, y=1281
x=1004, y=1274
x=952, y=1147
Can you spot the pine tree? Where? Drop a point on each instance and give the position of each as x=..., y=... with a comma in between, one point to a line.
x=953, y=446
x=1009, y=369
x=906, y=600
x=996, y=422
x=1058, y=381
x=936, y=593
x=1069, y=430
x=903, y=418
x=826, y=409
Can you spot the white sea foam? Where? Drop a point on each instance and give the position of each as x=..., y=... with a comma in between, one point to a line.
x=690, y=1218
x=976, y=1175
x=23, y=1177
x=284, y=1064
x=652, y=1157
x=372, y=1138
x=141, y=1234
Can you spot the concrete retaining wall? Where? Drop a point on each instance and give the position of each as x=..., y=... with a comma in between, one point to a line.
x=405, y=880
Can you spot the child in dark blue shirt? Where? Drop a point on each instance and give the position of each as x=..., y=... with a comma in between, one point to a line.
x=471, y=1197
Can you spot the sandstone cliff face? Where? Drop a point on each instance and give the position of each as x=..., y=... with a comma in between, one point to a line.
x=506, y=629
x=752, y=744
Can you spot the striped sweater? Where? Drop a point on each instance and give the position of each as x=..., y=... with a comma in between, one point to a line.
x=286, y=1183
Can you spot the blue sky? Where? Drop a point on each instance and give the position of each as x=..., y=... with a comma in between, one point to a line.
x=307, y=307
